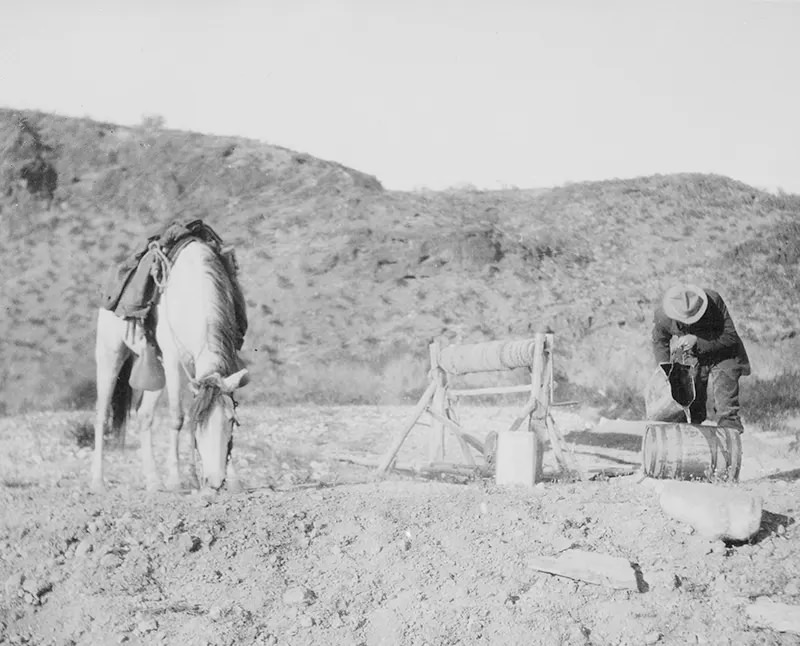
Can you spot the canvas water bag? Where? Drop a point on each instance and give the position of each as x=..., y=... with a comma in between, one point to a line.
x=669, y=393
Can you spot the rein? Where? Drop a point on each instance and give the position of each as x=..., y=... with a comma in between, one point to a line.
x=161, y=265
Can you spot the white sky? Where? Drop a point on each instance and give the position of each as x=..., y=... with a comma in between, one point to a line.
x=435, y=93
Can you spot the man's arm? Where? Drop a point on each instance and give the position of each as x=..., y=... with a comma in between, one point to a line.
x=727, y=340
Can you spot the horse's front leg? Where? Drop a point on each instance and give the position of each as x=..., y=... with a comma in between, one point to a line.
x=173, y=383
x=232, y=481
x=145, y=416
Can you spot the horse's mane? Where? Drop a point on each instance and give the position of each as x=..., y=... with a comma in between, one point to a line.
x=224, y=330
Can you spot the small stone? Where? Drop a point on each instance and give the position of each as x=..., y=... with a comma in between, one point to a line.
x=474, y=625
x=484, y=508
x=781, y=530
x=146, y=626
x=110, y=561
x=652, y=637
x=14, y=583
x=84, y=547
x=37, y=587
x=299, y=595
x=122, y=638
x=306, y=621
x=215, y=613
x=189, y=543
x=792, y=589
x=717, y=547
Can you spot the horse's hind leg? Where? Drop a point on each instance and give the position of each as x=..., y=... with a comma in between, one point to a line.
x=110, y=354
x=145, y=416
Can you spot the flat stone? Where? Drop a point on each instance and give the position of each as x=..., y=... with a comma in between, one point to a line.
x=780, y=617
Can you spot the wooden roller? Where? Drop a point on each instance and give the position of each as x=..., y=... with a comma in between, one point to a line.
x=487, y=357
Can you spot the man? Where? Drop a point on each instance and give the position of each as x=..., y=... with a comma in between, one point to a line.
x=699, y=322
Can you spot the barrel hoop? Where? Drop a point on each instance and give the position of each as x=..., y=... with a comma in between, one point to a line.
x=647, y=464
x=714, y=446
x=726, y=448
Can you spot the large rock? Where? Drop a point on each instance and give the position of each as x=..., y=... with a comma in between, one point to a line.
x=714, y=511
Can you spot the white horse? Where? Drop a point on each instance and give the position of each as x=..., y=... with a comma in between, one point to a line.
x=197, y=332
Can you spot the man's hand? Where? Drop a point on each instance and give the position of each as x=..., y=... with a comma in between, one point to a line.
x=687, y=342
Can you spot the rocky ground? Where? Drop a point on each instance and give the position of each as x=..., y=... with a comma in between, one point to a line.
x=315, y=551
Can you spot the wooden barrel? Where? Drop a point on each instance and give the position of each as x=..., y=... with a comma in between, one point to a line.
x=691, y=452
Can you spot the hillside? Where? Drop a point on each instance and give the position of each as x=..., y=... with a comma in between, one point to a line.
x=346, y=282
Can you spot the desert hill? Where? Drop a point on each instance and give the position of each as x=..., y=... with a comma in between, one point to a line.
x=346, y=282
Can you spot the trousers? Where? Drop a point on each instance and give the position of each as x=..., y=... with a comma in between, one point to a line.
x=721, y=382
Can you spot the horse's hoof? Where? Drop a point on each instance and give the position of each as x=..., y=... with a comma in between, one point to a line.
x=98, y=487
x=194, y=481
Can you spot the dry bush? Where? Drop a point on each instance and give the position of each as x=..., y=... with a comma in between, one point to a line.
x=769, y=401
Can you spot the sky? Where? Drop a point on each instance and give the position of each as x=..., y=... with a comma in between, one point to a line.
x=436, y=93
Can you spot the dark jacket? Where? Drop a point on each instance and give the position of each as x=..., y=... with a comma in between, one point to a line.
x=717, y=339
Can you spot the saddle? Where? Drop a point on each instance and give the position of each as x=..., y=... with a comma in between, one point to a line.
x=131, y=288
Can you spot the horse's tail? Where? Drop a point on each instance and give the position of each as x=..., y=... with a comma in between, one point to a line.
x=122, y=400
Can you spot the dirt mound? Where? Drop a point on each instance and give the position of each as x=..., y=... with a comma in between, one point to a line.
x=315, y=552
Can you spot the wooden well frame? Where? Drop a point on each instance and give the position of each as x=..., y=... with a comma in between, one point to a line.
x=439, y=402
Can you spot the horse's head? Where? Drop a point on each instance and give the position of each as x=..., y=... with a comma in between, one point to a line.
x=212, y=416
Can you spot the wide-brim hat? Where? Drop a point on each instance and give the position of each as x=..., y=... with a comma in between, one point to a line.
x=685, y=303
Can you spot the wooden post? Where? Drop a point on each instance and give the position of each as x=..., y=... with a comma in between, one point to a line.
x=422, y=404
x=538, y=387
x=438, y=405
x=458, y=432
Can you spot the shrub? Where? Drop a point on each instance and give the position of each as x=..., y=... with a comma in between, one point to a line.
x=768, y=401
x=82, y=433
